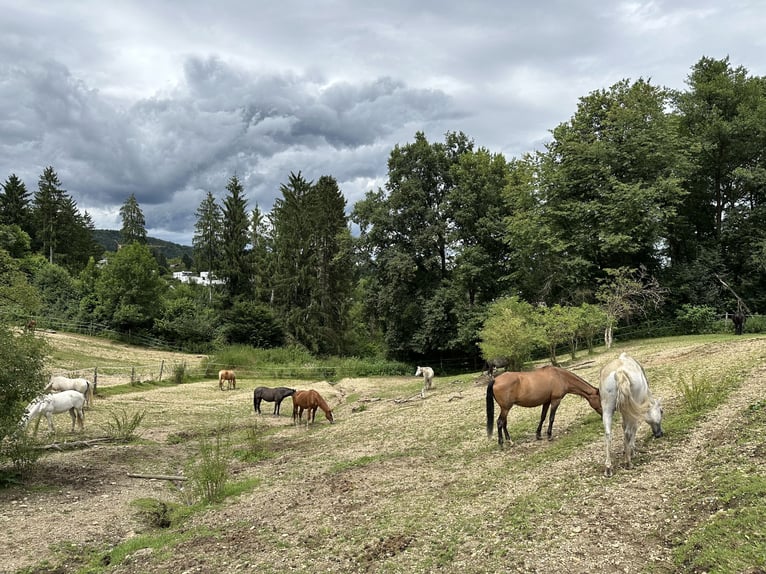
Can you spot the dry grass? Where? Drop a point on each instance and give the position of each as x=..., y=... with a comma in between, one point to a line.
x=395, y=485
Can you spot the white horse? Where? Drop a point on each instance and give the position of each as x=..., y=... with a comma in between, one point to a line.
x=428, y=376
x=53, y=404
x=60, y=383
x=624, y=387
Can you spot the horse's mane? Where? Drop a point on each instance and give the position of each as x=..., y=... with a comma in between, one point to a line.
x=579, y=379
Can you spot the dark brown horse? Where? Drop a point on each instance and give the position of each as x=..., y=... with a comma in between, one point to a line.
x=309, y=401
x=275, y=395
x=545, y=386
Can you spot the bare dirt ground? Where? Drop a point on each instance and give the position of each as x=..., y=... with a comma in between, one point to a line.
x=396, y=485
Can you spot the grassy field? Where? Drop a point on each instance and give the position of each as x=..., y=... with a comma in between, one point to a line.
x=404, y=484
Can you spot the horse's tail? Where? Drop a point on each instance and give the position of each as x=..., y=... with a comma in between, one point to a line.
x=255, y=400
x=490, y=406
x=627, y=405
x=89, y=392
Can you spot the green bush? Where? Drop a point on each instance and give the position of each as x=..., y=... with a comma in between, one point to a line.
x=696, y=319
x=123, y=425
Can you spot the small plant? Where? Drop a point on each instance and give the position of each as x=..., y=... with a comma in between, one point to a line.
x=155, y=513
x=123, y=426
x=179, y=373
x=209, y=475
x=21, y=450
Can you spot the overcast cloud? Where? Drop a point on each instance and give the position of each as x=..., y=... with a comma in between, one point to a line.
x=169, y=99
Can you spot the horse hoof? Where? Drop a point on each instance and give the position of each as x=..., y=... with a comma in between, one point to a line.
x=608, y=473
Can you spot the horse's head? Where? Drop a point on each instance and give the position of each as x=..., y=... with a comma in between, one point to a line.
x=594, y=400
x=418, y=372
x=654, y=417
x=330, y=417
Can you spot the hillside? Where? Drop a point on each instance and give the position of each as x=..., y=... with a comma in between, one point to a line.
x=108, y=239
x=404, y=484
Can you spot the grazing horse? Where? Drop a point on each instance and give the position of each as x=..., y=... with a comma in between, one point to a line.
x=53, y=404
x=60, y=383
x=495, y=363
x=275, y=395
x=309, y=401
x=229, y=377
x=623, y=386
x=545, y=386
x=30, y=326
x=428, y=377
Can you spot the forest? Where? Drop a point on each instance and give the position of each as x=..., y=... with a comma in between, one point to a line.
x=646, y=207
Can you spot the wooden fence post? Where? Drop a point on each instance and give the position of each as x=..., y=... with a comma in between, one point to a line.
x=162, y=366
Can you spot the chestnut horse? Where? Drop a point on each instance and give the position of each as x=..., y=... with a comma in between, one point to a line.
x=229, y=377
x=309, y=401
x=545, y=386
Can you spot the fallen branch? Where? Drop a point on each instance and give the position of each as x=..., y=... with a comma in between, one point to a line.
x=73, y=445
x=156, y=476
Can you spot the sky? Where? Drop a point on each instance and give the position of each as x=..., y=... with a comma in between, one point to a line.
x=169, y=99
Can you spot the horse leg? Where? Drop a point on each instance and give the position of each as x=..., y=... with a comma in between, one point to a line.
x=49, y=416
x=538, y=434
x=502, y=427
x=606, y=418
x=258, y=405
x=629, y=439
x=277, y=402
x=554, y=408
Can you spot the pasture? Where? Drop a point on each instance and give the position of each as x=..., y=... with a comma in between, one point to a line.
x=401, y=483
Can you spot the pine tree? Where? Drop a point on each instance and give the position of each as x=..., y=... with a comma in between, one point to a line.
x=15, y=204
x=46, y=212
x=207, y=237
x=236, y=268
x=133, y=223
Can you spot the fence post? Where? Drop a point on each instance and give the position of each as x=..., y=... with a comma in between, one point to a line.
x=162, y=366
x=132, y=375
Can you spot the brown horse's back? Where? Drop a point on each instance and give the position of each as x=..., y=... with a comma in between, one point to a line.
x=527, y=389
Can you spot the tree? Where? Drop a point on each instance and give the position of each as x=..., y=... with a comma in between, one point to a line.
x=312, y=274
x=129, y=288
x=722, y=223
x=511, y=330
x=133, y=228
x=625, y=293
x=405, y=236
x=604, y=194
x=22, y=378
x=207, y=235
x=236, y=262
x=15, y=208
x=46, y=212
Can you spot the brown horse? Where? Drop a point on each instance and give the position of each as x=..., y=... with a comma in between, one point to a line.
x=545, y=386
x=309, y=401
x=229, y=377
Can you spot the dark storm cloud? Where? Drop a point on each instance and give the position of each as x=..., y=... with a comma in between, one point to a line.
x=169, y=100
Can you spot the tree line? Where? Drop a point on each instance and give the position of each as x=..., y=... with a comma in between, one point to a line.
x=641, y=204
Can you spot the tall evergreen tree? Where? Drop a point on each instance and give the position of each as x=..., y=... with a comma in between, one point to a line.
x=207, y=235
x=236, y=261
x=15, y=202
x=133, y=228
x=46, y=213
x=294, y=277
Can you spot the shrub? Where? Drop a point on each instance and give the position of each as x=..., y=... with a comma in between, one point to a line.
x=210, y=472
x=123, y=426
x=696, y=319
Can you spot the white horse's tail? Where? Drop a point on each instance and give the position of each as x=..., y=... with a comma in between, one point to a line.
x=48, y=387
x=626, y=403
x=88, y=393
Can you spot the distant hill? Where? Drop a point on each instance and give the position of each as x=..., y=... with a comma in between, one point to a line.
x=108, y=239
